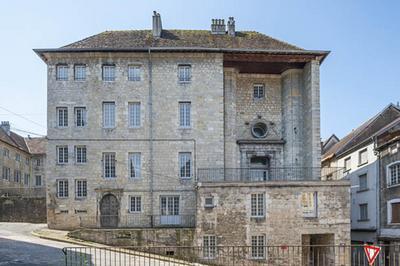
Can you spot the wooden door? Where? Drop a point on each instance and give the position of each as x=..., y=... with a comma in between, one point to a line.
x=109, y=207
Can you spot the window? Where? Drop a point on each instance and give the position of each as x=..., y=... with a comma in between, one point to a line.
x=135, y=204
x=257, y=205
x=135, y=165
x=109, y=72
x=393, y=207
x=363, y=182
x=62, y=188
x=80, y=154
x=209, y=247
x=259, y=91
x=109, y=114
x=393, y=174
x=6, y=173
x=62, y=116
x=363, y=212
x=185, y=159
x=80, y=188
x=259, y=130
x=17, y=176
x=6, y=153
x=109, y=165
x=363, y=157
x=27, y=161
x=209, y=202
x=309, y=204
x=38, y=162
x=80, y=72
x=184, y=73
x=347, y=164
x=134, y=114
x=169, y=205
x=17, y=157
x=184, y=114
x=134, y=73
x=80, y=116
x=258, y=247
x=62, y=72
x=62, y=154
x=26, y=179
x=38, y=180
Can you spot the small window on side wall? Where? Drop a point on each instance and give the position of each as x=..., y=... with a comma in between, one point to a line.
x=209, y=202
x=259, y=91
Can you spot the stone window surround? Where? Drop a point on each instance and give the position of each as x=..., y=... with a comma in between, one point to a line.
x=388, y=175
x=65, y=193
x=130, y=204
x=187, y=79
x=389, y=210
x=272, y=152
x=82, y=76
x=83, y=191
x=84, y=115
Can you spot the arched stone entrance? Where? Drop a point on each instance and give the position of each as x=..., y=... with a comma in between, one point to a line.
x=109, y=208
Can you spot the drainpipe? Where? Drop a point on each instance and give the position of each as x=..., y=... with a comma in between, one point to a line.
x=378, y=191
x=151, y=156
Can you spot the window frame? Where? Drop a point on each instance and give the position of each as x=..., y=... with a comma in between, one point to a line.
x=310, y=211
x=257, y=211
x=109, y=116
x=83, y=154
x=133, y=77
x=185, y=114
x=136, y=205
x=389, y=172
x=65, y=116
x=362, y=188
x=390, y=210
x=347, y=159
x=82, y=184
x=260, y=87
x=83, y=77
x=186, y=172
x=209, y=246
x=187, y=76
x=64, y=161
x=41, y=181
x=109, y=78
x=58, y=69
x=83, y=115
x=113, y=164
x=361, y=208
x=65, y=191
x=258, y=247
x=360, y=153
x=134, y=114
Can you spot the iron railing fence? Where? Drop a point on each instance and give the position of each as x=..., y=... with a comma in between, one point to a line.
x=269, y=174
x=137, y=220
x=344, y=255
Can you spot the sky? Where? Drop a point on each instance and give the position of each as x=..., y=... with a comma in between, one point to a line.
x=358, y=79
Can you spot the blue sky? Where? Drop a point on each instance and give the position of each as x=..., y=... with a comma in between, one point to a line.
x=359, y=78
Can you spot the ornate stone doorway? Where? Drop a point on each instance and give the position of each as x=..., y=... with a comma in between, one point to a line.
x=109, y=207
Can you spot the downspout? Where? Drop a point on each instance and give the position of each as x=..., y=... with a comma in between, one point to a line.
x=378, y=191
x=151, y=155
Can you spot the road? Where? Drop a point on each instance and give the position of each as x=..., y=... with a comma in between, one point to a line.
x=19, y=247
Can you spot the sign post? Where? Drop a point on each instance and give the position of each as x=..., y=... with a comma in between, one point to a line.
x=372, y=253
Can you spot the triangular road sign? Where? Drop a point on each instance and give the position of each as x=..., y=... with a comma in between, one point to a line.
x=372, y=253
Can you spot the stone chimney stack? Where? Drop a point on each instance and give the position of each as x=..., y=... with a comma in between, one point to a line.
x=218, y=26
x=157, y=26
x=231, y=26
x=5, y=125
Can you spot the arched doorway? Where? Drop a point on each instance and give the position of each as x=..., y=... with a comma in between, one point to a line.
x=109, y=207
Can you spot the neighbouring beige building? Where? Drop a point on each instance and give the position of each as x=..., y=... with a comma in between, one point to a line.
x=191, y=128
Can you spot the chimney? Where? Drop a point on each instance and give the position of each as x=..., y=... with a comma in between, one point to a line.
x=231, y=26
x=5, y=125
x=218, y=26
x=157, y=27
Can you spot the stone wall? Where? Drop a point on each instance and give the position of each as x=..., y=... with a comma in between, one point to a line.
x=27, y=210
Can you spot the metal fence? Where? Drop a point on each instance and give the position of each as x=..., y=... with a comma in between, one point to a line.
x=269, y=174
x=230, y=255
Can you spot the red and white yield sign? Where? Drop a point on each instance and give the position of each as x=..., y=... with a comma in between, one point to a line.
x=372, y=253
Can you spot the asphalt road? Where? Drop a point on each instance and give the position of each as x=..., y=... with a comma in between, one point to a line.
x=19, y=247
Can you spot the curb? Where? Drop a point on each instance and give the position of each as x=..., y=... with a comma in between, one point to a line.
x=66, y=240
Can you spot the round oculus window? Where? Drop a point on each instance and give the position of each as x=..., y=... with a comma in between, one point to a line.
x=259, y=130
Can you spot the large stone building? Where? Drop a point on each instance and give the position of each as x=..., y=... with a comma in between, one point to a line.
x=356, y=153
x=191, y=128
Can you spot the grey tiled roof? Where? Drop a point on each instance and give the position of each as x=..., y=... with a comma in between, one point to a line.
x=129, y=39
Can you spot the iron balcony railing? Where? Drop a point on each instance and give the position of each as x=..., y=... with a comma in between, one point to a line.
x=268, y=174
x=305, y=255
